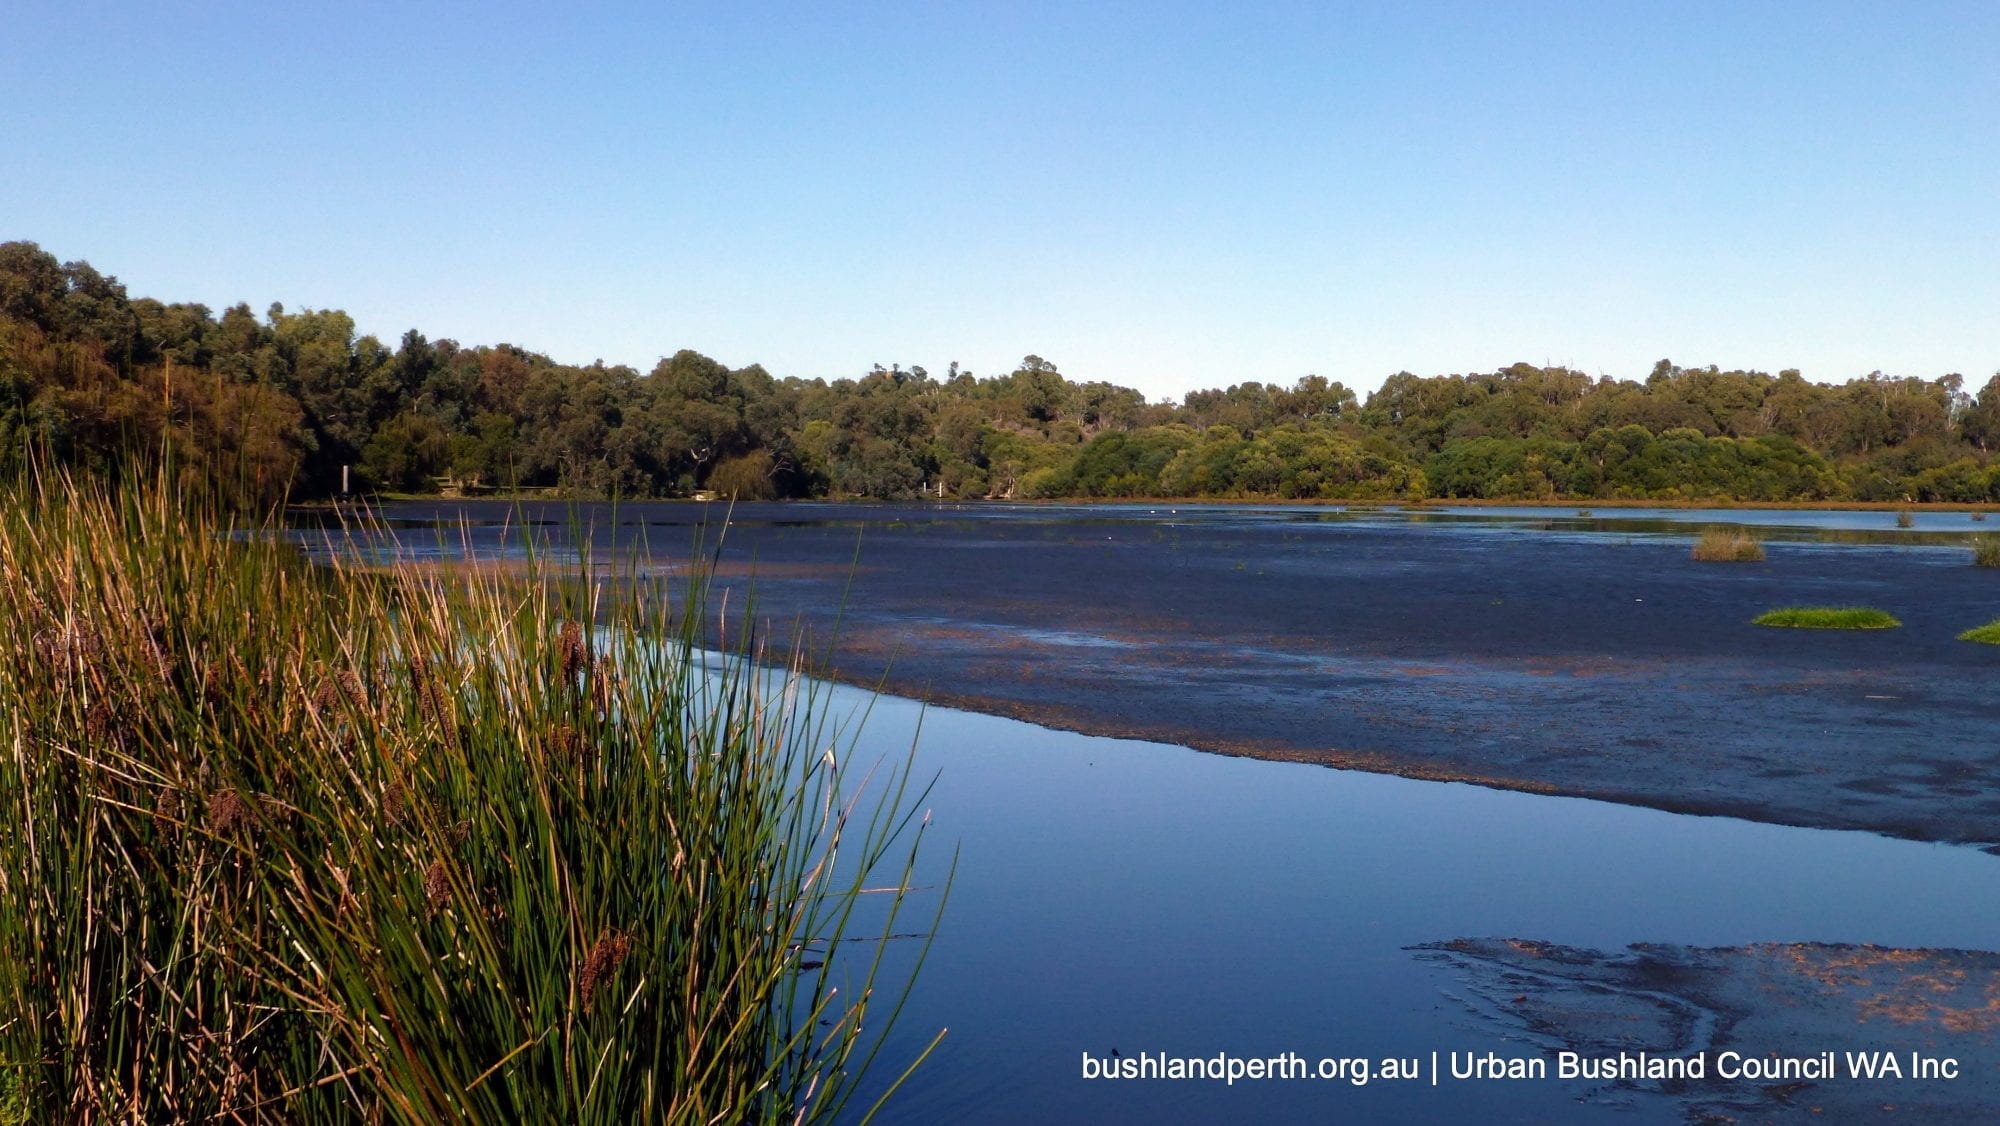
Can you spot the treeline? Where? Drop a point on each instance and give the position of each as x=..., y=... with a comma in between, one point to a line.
x=282, y=404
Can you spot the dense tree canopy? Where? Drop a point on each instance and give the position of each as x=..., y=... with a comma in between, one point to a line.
x=280, y=404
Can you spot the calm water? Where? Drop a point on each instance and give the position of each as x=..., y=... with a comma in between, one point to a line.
x=1114, y=894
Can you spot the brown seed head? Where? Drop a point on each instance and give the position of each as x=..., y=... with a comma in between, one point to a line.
x=167, y=810
x=229, y=812
x=574, y=651
x=326, y=691
x=350, y=683
x=437, y=887
x=432, y=701
x=602, y=963
x=395, y=803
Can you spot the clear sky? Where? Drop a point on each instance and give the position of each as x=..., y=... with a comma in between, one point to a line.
x=1165, y=196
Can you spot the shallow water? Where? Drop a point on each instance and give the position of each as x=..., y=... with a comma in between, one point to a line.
x=1115, y=894
x=1141, y=897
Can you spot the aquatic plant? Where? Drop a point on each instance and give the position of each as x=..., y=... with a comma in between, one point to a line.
x=1988, y=634
x=1986, y=551
x=1828, y=617
x=1727, y=545
x=1905, y=518
x=326, y=844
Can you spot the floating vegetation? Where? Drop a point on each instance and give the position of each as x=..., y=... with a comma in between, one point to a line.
x=1905, y=518
x=1828, y=617
x=1988, y=634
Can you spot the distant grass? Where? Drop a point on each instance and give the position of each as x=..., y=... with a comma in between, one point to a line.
x=1986, y=551
x=1725, y=545
x=1988, y=634
x=1828, y=617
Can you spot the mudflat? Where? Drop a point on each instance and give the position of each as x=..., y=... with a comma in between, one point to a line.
x=1582, y=657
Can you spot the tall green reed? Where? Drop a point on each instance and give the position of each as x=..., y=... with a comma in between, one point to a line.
x=338, y=843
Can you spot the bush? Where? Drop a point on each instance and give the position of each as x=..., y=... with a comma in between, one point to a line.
x=1724, y=545
x=747, y=477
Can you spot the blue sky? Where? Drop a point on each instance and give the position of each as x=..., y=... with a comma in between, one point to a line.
x=1165, y=196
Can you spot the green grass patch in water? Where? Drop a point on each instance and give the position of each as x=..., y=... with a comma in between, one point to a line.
x=1988, y=634
x=1828, y=617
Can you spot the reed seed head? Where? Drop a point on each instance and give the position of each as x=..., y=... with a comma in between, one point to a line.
x=167, y=808
x=437, y=887
x=602, y=963
x=396, y=803
x=229, y=813
x=573, y=650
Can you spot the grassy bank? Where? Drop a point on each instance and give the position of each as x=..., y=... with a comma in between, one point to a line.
x=296, y=843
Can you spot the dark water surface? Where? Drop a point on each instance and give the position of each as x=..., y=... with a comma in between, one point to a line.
x=1137, y=896
x=1133, y=896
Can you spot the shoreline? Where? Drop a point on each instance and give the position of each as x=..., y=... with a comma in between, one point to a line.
x=1605, y=667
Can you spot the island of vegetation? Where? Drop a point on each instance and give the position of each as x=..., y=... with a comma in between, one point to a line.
x=295, y=403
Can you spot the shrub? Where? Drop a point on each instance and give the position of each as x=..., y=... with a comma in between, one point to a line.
x=1725, y=545
x=1828, y=617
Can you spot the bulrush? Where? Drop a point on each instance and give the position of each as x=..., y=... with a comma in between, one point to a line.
x=432, y=701
x=396, y=803
x=307, y=987
x=437, y=887
x=602, y=964
x=573, y=650
x=167, y=809
x=229, y=813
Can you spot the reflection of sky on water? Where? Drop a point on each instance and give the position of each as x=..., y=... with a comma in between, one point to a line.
x=1146, y=897
x=1142, y=897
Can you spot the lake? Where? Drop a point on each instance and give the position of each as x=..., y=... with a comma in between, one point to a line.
x=1141, y=897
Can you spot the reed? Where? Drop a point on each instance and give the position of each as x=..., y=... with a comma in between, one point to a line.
x=1727, y=545
x=285, y=842
x=1986, y=551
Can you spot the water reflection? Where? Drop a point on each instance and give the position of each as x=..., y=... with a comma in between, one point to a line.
x=1143, y=897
